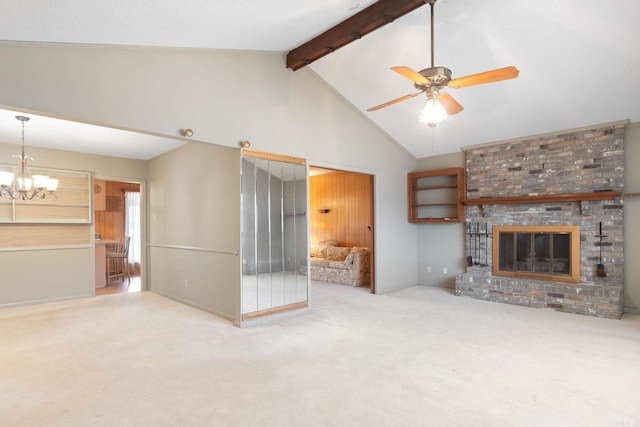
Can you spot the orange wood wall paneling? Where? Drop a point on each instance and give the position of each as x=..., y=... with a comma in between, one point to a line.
x=348, y=197
x=34, y=235
x=110, y=222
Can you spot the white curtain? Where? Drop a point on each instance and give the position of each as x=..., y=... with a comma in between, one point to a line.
x=132, y=224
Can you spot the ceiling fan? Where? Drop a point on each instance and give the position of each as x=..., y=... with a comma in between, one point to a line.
x=431, y=80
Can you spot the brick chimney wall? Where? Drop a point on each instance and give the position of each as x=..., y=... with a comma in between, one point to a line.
x=576, y=162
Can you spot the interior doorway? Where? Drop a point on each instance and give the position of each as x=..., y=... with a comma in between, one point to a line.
x=118, y=213
x=341, y=207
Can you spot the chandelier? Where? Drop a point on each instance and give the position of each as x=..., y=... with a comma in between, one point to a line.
x=20, y=184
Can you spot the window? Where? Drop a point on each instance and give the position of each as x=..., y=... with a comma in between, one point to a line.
x=132, y=224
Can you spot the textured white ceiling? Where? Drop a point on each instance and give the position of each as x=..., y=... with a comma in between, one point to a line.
x=579, y=59
x=271, y=25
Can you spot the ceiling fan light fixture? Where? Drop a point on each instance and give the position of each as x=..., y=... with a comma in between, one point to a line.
x=433, y=112
x=433, y=79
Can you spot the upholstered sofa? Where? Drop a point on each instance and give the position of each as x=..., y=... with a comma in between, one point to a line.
x=339, y=264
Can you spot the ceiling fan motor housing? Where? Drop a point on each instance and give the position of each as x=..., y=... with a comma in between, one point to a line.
x=437, y=77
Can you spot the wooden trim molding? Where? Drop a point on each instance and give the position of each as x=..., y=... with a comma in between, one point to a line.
x=45, y=248
x=272, y=156
x=547, y=198
x=573, y=230
x=195, y=249
x=275, y=310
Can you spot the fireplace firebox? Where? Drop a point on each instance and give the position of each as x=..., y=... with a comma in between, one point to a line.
x=537, y=252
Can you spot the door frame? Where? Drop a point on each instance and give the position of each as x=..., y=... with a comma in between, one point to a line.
x=143, y=223
x=372, y=175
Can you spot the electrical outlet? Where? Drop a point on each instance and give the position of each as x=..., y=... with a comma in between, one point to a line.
x=429, y=270
x=186, y=283
x=444, y=270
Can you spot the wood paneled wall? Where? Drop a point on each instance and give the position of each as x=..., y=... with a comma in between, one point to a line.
x=348, y=198
x=109, y=223
x=69, y=204
x=60, y=220
x=34, y=235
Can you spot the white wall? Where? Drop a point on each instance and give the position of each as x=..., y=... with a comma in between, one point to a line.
x=632, y=220
x=194, y=236
x=30, y=276
x=440, y=245
x=225, y=97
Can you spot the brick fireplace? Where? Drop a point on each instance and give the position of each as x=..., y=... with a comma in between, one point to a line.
x=573, y=180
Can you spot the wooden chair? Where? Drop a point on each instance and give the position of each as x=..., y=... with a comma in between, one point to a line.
x=117, y=261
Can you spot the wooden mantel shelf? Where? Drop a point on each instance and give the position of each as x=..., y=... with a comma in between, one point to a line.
x=547, y=198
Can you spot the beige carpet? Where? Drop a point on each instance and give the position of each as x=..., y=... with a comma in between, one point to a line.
x=418, y=357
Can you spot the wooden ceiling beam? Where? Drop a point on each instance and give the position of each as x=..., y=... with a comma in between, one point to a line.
x=373, y=17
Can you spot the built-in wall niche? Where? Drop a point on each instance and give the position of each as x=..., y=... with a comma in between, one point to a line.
x=436, y=195
x=70, y=203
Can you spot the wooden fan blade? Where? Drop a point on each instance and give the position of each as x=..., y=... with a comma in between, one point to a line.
x=450, y=105
x=394, y=101
x=411, y=74
x=505, y=73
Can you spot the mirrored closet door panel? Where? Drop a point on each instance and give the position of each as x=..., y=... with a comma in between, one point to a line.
x=274, y=235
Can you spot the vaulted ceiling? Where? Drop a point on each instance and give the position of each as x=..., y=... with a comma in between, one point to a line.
x=579, y=60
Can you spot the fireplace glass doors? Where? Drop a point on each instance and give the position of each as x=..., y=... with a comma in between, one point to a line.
x=543, y=252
